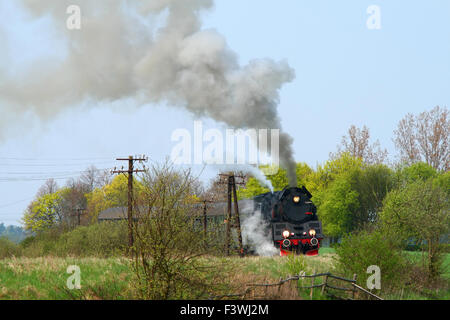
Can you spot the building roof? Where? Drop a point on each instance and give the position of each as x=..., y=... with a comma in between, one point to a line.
x=118, y=213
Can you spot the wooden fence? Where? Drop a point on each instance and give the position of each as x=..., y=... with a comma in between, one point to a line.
x=325, y=285
x=354, y=291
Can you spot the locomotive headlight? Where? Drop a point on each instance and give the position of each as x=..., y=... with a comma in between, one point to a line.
x=286, y=233
x=296, y=199
x=312, y=232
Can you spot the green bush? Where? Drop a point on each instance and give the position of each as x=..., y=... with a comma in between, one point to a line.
x=169, y=260
x=360, y=250
x=8, y=248
x=100, y=239
x=41, y=244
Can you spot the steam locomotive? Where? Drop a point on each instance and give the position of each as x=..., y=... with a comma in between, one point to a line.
x=292, y=218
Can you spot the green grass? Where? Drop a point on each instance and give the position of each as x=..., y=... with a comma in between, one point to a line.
x=281, y=267
x=417, y=257
x=326, y=250
x=46, y=278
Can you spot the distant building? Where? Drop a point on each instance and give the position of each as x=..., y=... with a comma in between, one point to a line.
x=215, y=212
x=113, y=214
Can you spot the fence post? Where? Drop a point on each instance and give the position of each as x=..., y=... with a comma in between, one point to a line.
x=324, y=284
x=355, y=276
x=279, y=287
x=312, y=284
x=266, y=288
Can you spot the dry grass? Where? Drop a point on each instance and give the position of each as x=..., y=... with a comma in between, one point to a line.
x=269, y=270
x=242, y=284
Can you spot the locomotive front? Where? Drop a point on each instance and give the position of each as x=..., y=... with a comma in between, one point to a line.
x=293, y=219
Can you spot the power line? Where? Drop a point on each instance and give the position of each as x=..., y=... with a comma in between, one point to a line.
x=46, y=159
x=16, y=202
x=38, y=176
x=56, y=172
x=54, y=164
x=35, y=179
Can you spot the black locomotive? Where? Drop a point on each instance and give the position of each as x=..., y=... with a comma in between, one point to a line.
x=293, y=220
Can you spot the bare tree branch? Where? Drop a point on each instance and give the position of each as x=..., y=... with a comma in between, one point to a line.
x=425, y=137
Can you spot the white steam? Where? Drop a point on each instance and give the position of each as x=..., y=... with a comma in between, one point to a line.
x=124, y=51
x=254, y=232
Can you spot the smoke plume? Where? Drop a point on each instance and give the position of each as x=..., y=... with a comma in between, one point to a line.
x=153, y=51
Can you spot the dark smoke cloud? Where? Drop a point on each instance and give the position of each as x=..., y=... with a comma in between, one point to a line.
x=122, y=52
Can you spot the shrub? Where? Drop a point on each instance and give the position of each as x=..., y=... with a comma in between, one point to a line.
x=100, y=239
x=8, y=248
x=42, y=243
x=360, y=250
x=419, y=211
x=168, y=247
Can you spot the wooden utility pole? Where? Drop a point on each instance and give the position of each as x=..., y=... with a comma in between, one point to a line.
x=205, y=216
x=130, y=172
x=231, y=192
x=238, y=220
x=205, y=211
x=228, y=234
x=79, y=212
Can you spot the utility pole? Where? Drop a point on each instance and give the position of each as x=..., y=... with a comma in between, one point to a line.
x=231, y=192
x=236, y=212
x=228, y=234
x=130, y=172
x=205, y=211
x=79, y=212
x=205, y=221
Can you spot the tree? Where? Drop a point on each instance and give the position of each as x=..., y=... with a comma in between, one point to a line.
x=335, y=167
x=88, y=178
x=337, y=206
x=44, y=212
x=357, y=144
x=13, y=233
x=168, y=244
x=279, y=181
x=349, y=193
x=425, y=137
x=419, y=171
x=443, y=181
x=372, y=183
x=111, y=195
x=93, y=178
x=419, y=211
x=50, y=186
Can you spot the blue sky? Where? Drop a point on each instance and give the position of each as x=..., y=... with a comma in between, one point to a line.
x=345, y=74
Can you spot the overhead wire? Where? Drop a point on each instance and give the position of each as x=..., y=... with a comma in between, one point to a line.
x=42, y=174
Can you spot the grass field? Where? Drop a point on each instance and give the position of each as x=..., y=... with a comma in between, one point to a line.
x=46, y=278
x=111, y=278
